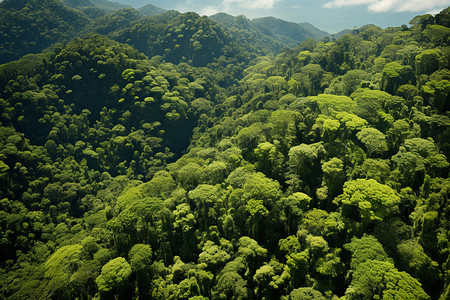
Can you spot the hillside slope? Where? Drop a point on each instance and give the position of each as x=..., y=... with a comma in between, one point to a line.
x=288, y=32
x=186, y=38
x=151, y=10
x=271, y=29
x=29, y=26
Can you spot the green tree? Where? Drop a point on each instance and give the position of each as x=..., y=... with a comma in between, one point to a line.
x=257, y=212
x=207, y=199
x=438, y=35
x=213, y=256
x=304, y=164
x=365, y=249
x=321, y=223
x=294, y=206
x=258, y=186
x=306, y=293
x=140, y=257
x=285, y=127
x=400, y=131
x=377, y=169
x=395, y=75
x=315, y=74
x=380, y=279
x=276, y=84
x=248, y=138
x=372, y=200
x=184, y=223
x=428, y=61
x=334, y=176
x=263, y=277
x=332, y=103
x=252, y=253
x=352, y=80
x=370, y=103
x=266, y=155
x=298, y=264
x=114, y=277
x=413, y=260
x=59, y=269
x=373, y=139
x=231, y=285
x=436, y=93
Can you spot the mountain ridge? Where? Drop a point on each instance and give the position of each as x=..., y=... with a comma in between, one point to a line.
x=289, y=33
x=150, y=10
x=101, y=4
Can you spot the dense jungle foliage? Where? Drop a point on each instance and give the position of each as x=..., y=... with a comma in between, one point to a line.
x=174, y=157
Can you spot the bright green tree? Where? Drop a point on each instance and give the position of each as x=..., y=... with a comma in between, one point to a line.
x=372, y=200
x=114, y=277
x=374, y=140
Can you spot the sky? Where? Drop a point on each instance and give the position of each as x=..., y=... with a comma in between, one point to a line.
x=329, y=15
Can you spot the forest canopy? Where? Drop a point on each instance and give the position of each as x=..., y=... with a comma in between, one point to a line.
x=174, y=157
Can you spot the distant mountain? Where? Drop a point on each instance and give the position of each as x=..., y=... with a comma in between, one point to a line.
x=313, y=30
x=239, y=22
x=102, y=4
x=151, y=10
x=342, y=32
x=272, y=30
x=77, y=3
x=242, y=29
x=109, y=4
x=289, y=33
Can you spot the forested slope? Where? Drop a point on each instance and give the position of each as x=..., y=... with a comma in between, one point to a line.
x=100, y=4
x=288, y=32
x=269, y=31
x=182, y=38
x=29, y=26
x=231, y=173
x=151, y=10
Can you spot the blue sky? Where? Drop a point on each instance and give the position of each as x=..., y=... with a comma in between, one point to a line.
x=329, y=15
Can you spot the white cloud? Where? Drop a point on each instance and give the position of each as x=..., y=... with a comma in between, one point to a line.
x=209, y=10
x=251, y=3
x=234, y=6
x=342, y=3
x=391, y=5
x=420, y=5
x=386, y=5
